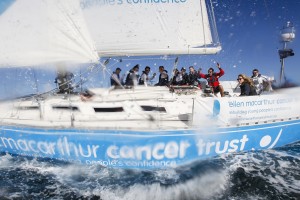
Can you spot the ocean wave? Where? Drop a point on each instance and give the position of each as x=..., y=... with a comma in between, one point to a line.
x=270, y=174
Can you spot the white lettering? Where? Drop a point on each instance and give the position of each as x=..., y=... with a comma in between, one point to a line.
x=23, y=145
x=62, y=146
x=243, y=141
x=112, y=152
x=71, y=146
x=51, y=148
x=218, y=144
x=233, y=145
x=95, y=150
x=66, y=145
x=158, y=147
x=201, y=146
x=9, y=141
x=127, y=152
x=171, y=150
x=229, y=146
x=88, y=150
x=158, y=151
x=30, y=144
x=208, y=146
x=183, y=147
x=140, y=150
x=43, y=147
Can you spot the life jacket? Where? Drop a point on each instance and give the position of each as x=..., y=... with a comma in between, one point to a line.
x=185, y=79
x=141, y=81
x=129, y=78
x=253, y=90
x=212, y=80
x=112, y=81
x=193, y=79
x=162, y=81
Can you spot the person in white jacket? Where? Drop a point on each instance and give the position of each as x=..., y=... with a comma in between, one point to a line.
x=261, y=82
x=144, y=79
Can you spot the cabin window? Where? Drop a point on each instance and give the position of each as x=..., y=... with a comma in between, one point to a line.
x=73, y=108
x=114, y=109
x=28, y=108
x=153, y=108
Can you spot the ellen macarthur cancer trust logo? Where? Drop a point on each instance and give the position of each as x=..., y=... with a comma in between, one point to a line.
x=267, y=139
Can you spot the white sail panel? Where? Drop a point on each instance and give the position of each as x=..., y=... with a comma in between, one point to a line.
x=36, y=32
x=149, y=27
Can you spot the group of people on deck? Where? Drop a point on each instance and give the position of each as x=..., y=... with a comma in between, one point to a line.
x=253, y=85
x=249, y=86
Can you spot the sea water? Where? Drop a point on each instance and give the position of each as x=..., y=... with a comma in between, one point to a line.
x=270, y=174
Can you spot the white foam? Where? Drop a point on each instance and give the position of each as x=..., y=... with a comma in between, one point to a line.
x=206, y=186
x=5, y=161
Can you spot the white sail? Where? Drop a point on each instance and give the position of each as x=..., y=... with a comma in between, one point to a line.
x=149, y=27
x=37, y=32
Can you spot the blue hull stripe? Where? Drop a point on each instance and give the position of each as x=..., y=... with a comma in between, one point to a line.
x=144, y=149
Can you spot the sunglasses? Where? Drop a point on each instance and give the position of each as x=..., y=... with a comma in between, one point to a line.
x=239, y=79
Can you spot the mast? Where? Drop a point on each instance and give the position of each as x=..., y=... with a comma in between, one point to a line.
x=287, y=35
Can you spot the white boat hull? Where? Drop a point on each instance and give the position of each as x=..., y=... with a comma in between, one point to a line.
x=156, y=129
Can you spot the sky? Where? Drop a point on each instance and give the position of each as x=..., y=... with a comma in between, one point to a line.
x=249, y=32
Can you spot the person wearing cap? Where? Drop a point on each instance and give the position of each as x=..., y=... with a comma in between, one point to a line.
x=115, y=79
x=145, y=76
x=177, y=78
x=261, y=82
x=163, y=79
x=132, y=76
x=185, y=77
x=193, y=77
x=213, y=80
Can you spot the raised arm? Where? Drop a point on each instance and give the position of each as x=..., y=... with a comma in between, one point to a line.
x=221, y=71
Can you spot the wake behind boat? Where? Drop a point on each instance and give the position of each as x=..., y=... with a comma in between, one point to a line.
x=138, y=127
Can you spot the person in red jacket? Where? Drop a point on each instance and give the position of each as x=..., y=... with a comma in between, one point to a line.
x=213, y=80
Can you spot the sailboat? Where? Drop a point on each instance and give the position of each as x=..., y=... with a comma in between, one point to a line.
x=137, y=127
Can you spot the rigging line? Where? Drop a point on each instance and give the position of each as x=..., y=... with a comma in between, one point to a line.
x=67, y=82
x=91, y=68
x=81, y=82
x=36, y=82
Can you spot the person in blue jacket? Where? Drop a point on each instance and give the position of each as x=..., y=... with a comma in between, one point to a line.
x=246, y=85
